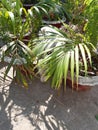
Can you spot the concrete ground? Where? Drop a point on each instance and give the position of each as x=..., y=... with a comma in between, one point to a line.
x=40, y=107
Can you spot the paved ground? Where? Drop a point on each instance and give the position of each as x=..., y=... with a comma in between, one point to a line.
x=39, y=107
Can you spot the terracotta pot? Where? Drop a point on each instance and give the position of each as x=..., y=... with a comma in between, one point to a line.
x=79, y=87
x=84, y=82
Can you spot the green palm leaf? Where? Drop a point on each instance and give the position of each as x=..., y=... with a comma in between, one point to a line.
x=11, y=15
x=66, y=66
x=61, y=55
x=9, y=67
x=77, y=63
x=72, y=66
x=83, y=57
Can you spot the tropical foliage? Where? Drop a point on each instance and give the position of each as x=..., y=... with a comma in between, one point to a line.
x=85, y=14
x=55, y=11
x=91, y=27
x=69, y=50
x=18, y=25
x=60, y=52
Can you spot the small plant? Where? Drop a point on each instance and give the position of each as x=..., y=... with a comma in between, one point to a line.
x=61, y=52
x=20, y=26
x=55, y=11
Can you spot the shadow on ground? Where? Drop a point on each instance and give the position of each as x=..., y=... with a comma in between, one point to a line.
x=40, y=108
x=34, y=108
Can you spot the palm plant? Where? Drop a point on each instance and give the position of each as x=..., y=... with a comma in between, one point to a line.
x=56, y=12
x=16, y=23
x=60, y=52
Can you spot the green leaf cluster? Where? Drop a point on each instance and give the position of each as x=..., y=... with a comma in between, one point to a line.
x=18, y=25
x=60, y=54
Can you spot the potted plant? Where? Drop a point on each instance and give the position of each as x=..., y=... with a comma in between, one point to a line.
x=67, y=52
x=56, y=14
x=62, y=53
x=20, y=27
x=15, y=52
x=84, y=14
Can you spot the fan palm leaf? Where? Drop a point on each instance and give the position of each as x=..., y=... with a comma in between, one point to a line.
x=60, y=54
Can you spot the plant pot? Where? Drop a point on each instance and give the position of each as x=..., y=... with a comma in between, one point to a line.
x=22, y=73
x=57, y=24
x=27, y=6
x=84, y=82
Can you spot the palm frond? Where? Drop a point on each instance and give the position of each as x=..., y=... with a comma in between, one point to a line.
x=60, y=55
